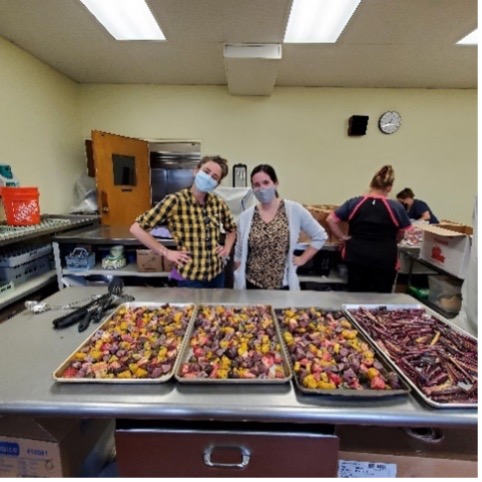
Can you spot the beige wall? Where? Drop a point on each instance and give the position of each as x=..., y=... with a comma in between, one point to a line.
x=302, y=133
x=40, y=127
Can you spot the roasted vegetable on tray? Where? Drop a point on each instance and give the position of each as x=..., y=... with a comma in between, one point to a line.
x=234, y=343
x=137, y=342
x=328, y=354
x=438, y=360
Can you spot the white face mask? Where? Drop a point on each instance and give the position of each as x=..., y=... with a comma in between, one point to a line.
x=265, y=195
x=204, y=182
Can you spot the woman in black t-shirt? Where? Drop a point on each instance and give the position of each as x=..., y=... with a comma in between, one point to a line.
x=376, y=225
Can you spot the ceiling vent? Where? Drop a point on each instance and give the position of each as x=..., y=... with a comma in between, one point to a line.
x=251, y=69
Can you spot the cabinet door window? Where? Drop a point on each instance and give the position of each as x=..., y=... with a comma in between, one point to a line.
x=124, y=170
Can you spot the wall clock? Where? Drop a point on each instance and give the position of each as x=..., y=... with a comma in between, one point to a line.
x=390, y=122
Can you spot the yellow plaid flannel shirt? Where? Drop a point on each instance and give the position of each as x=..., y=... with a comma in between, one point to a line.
x=195, y=228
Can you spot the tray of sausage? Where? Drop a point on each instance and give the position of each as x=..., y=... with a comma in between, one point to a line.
x=138, y=343
x=233, y=344
x=330, y=357
x=435, y=357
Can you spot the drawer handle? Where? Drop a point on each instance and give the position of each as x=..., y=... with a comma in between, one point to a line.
x=245, y=456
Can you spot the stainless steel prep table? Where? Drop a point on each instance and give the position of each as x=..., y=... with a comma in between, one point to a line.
x=30, y=350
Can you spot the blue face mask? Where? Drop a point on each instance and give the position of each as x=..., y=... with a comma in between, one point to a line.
x=204, y=182
x=265, y=195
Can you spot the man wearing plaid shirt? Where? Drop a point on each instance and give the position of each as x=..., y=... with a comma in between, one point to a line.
x=194, y=217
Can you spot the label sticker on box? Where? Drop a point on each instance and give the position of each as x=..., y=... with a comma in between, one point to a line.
x=29, y=458
x=355, y=469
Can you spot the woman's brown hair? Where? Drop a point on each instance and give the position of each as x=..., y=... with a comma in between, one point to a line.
x=384, y=178
x=220, y=161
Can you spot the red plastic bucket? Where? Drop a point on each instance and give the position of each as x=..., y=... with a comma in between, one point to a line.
x=21, y=205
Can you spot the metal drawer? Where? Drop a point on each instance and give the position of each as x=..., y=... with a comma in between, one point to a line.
x=216, y=449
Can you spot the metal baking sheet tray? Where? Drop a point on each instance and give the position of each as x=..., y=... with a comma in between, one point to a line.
x=186, y=352
x=390, y=307
x=57, y=374
x=346, y=392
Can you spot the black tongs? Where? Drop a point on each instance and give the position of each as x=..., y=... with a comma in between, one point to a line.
x=92, y=312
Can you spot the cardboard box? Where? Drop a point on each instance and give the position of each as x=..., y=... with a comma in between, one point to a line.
x=455, y=226
x=167, y=265
x=47, y=447
x=446, y=249
x=450, y=452
x=148, y=261
x=321, y=212
x=412, y=466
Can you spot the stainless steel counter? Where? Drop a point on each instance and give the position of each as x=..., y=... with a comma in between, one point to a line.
x=30, y=350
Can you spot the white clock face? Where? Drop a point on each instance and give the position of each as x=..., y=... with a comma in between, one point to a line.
x=390, y=122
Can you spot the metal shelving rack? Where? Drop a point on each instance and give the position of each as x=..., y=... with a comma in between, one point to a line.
x=15, y=235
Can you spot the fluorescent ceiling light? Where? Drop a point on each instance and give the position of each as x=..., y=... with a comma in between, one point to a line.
x=126, y=19
x=318, y=21
x=253, y=51
x=471, y=39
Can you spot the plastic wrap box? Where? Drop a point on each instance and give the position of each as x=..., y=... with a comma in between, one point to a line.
x=48, y=447
x=446, y=249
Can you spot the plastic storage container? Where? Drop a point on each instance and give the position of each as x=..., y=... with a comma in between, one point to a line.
x=445, y=292
x=25, y=271
x=21, y=264
x=80, y=260
x=21, y=255
x=6, y=176
x=21, y=205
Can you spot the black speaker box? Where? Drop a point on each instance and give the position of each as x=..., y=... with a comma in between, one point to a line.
x=357, y=125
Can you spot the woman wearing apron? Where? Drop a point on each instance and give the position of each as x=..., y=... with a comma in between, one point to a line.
x=376, y=225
